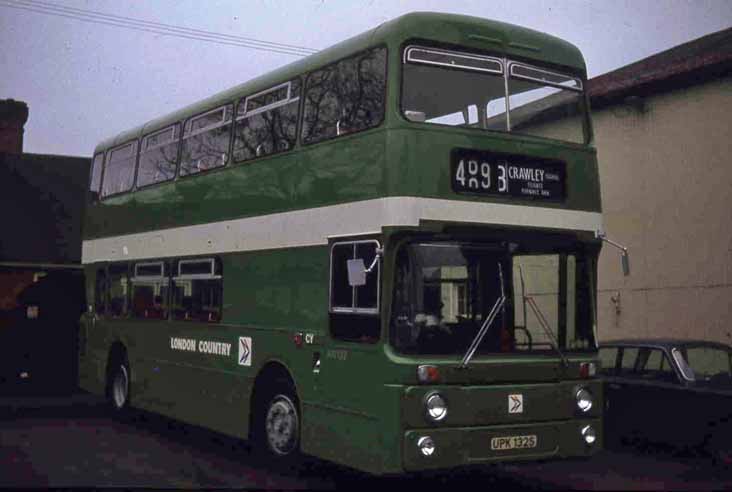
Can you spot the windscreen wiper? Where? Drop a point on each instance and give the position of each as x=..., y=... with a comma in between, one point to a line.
x=542, y=321
x=486, y=324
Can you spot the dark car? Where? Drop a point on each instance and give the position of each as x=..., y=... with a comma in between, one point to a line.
x=669, y=392
x=38, y=339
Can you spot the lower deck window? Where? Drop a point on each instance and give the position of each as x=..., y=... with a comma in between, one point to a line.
x=100, y=290
x=150, y=287
x=119, y=291
x=197, y=290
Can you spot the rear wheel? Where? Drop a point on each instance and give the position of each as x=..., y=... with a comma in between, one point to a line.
x=119, y=385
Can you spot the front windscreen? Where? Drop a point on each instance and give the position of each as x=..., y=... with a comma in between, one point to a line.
x=473, y=91
x=709, y=363
x=444, y=294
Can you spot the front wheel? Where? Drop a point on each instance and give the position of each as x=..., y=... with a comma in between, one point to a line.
x=277, y=426
x=282, y=425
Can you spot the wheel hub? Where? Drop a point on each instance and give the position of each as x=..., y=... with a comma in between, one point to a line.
x=281, y=425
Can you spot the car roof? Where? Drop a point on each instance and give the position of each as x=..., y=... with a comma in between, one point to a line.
x=661, y=343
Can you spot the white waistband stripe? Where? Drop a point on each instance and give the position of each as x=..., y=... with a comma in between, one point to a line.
x=313, y=226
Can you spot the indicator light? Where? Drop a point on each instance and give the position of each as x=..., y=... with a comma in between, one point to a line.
x=428, y=374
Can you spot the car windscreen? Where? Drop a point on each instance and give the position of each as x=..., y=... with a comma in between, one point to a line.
x=709, y=363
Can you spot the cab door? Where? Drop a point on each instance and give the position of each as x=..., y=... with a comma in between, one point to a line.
x=345, y=422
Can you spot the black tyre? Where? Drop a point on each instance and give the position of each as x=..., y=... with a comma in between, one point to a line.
x=119, y=385
x=278, y=423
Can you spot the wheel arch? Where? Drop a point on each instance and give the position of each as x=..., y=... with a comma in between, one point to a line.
x=271, y=373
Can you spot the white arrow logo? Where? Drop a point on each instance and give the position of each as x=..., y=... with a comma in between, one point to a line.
x=515, y=403
x=245, y=351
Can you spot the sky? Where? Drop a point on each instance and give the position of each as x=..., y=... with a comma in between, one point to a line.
x=84, y=82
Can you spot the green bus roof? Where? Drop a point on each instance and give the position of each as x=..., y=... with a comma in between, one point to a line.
x=470, y=32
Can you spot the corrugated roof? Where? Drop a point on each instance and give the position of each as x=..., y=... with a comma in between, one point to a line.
x=686, y=64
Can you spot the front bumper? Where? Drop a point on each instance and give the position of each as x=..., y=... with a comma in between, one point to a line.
x=459, y=446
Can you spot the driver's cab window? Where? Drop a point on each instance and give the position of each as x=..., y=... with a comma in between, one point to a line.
x=354, y=291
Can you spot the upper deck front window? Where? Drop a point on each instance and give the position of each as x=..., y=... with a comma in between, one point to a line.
x=474, y=91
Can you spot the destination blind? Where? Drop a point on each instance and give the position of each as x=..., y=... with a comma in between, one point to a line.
x=519, y=176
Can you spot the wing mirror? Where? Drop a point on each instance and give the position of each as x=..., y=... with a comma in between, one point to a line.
x=624, y=257
x=357, y=269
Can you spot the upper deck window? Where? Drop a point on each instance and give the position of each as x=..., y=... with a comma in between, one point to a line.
x=526, y=72
x=206, y=141
x=158, y=157
x=120, y=171
x=454, y=60
x=345, y=97
x=96, y=173
x=545, y=103
x=482, y=92
x=266, y=122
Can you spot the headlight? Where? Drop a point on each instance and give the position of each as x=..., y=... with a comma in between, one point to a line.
x=426, y=445
x=436, y=407
x=584, y=399
x=588, y=433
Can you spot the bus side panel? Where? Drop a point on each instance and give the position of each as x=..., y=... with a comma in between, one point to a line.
x=90, y=348
x=354, y=418
x=203, y=386
x=268, y=296
x=367, y=438
x=91, y=369
x=283, y=289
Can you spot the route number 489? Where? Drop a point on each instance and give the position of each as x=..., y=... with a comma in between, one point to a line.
x=476, y=175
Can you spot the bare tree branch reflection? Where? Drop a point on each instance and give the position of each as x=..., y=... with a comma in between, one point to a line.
x=345, y=97
x=208, y=149
x=267, y=132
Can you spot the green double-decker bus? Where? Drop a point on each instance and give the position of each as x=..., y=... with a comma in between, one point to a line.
x=383, y=254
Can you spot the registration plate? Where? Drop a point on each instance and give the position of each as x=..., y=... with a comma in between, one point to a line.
x=513, y=442
x=491, y=173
